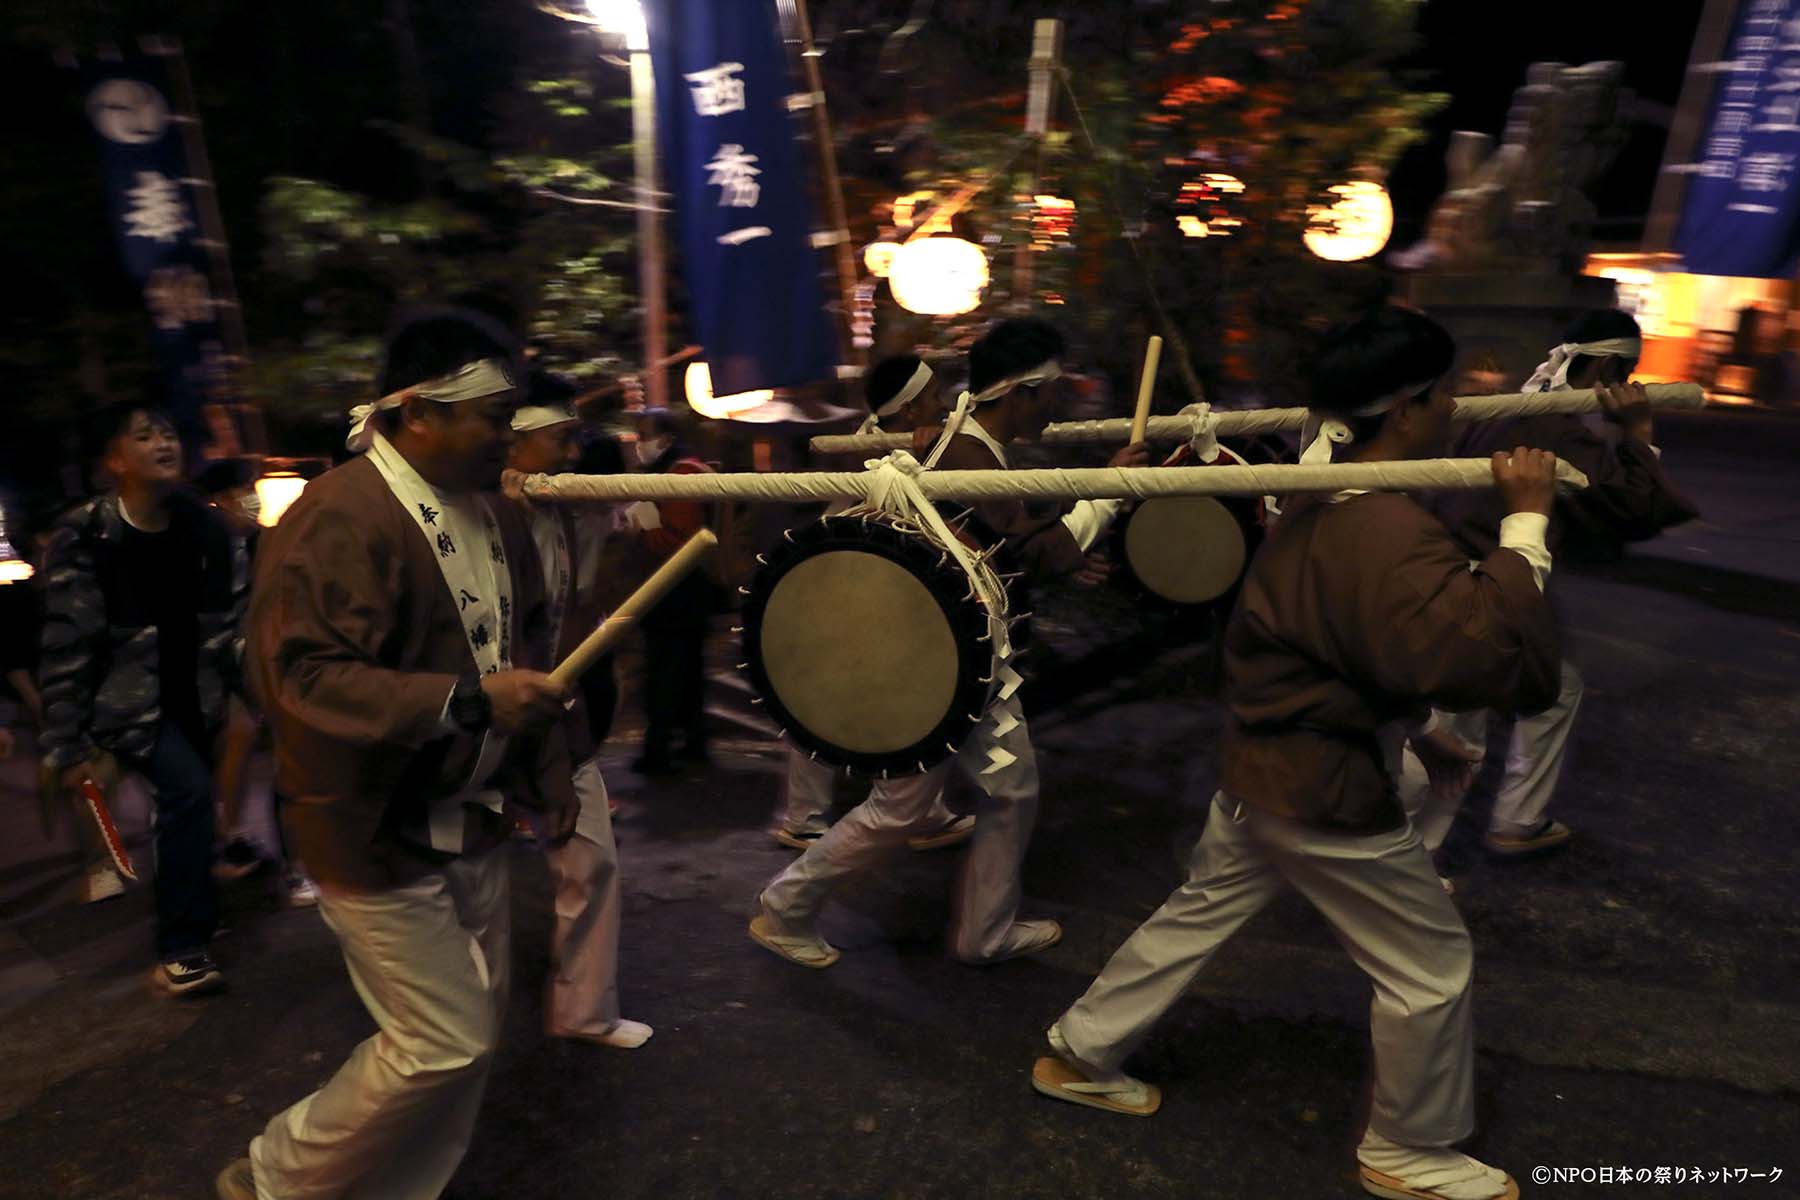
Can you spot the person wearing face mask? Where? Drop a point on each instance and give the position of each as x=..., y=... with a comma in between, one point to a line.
x=144, y=596
x=675, y=630
x=1359, y=612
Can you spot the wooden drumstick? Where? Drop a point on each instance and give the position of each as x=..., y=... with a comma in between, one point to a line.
x=635, y=605
x=1146, y=385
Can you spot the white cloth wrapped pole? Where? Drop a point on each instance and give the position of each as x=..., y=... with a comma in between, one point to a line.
x=1249, y=422
x=1081, y=483
x=674, y=569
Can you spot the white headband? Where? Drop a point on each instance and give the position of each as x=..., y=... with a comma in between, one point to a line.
x=1553, y=373
x=1044, y=372
x=1324, y=430
x=471, y=381
x=914, y=386
x=542, y=416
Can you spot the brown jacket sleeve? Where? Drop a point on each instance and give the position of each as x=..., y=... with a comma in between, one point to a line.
x=1424, y=625
x=1628, y=497
x=321, y=613
x=1034, y=534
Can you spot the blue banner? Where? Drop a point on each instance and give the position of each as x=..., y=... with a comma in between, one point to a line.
x=731, y=162
x=150, y=205
x=1742, y=211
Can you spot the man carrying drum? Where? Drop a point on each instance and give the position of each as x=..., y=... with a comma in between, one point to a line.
x=1008, y=400
x=904, y=397
x=1359, y=611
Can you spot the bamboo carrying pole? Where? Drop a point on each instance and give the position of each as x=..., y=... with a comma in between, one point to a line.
x=1146, y=387
x=1084, y=483
x=652, y=590
x=1252, y=421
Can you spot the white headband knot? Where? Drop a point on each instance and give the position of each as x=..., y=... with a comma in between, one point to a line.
x=471, y=381
x=1322, y=430
x=1552, y=374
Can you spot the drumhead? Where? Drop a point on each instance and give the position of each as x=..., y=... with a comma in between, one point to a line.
x=863, y=647
x=1186, y=550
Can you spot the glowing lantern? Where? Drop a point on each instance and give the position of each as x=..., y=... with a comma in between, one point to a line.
x=879, y=257
x=1354, y=226
x=623, y=17
x=938, y=276
x=697, y=383
x=1052, y=219
x=274, y=493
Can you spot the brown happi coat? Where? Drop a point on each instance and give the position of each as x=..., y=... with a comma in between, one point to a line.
x=354, y=643
x=1355, y=614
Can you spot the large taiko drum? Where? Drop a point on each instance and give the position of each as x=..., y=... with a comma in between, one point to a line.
x=1189, y=552
x=866, y=645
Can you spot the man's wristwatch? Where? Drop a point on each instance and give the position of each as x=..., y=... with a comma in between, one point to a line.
x=470, y=709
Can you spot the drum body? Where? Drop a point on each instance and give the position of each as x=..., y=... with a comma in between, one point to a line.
x=865, y=645
x=1189, y=552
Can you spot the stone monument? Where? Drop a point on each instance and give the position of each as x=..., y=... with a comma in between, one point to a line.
x=1500, y=263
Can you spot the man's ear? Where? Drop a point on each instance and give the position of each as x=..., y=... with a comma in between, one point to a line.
x=415, y=411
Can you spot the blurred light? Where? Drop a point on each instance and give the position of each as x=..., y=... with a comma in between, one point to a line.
x=274, y=493
x=906, y=207
x=1353, y=227
x=1207, y=196
x=15, y=570
x=1052, y=220
x=622, y=16
x=939, y=276
x=697, y=383
x=879, y=257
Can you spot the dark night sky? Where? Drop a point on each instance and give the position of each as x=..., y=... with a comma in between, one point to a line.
x=1478, y=51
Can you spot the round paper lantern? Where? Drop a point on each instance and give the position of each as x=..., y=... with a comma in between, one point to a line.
x=622, y=17
x=274, y=492
x=938, y=276
x=696, y=381
x=1354, y=226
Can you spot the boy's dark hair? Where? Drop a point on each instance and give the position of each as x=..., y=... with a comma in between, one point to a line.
x=887, y=377
x=549, y=389
x=1012, y=346
x=106, y=425
x=224, y=474
x=1598, y=326
x=1367, y=357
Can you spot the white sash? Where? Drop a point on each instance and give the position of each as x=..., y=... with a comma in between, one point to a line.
x=465, y=540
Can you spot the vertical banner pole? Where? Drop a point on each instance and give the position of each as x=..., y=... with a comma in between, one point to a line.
x=651, y=286
x=1040, y=104
x=830, y=184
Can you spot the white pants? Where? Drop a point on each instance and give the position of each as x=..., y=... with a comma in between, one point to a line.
x=1381, y=898
x=811, y=788
x=583, y=990
x=1534, y=765
x=430, y=962
x=987, y=890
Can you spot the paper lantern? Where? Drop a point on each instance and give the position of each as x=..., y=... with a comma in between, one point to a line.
x=274, y=493
x=1354, y=226
x=696, y=381
x=939, y=276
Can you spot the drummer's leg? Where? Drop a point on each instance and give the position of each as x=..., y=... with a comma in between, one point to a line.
x=895, y=810
x=808, y=795
x=985, y=926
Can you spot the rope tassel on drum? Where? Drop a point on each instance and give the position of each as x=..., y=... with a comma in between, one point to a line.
x=1250, y=422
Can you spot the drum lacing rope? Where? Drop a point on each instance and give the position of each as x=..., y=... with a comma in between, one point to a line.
x=894, y=491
